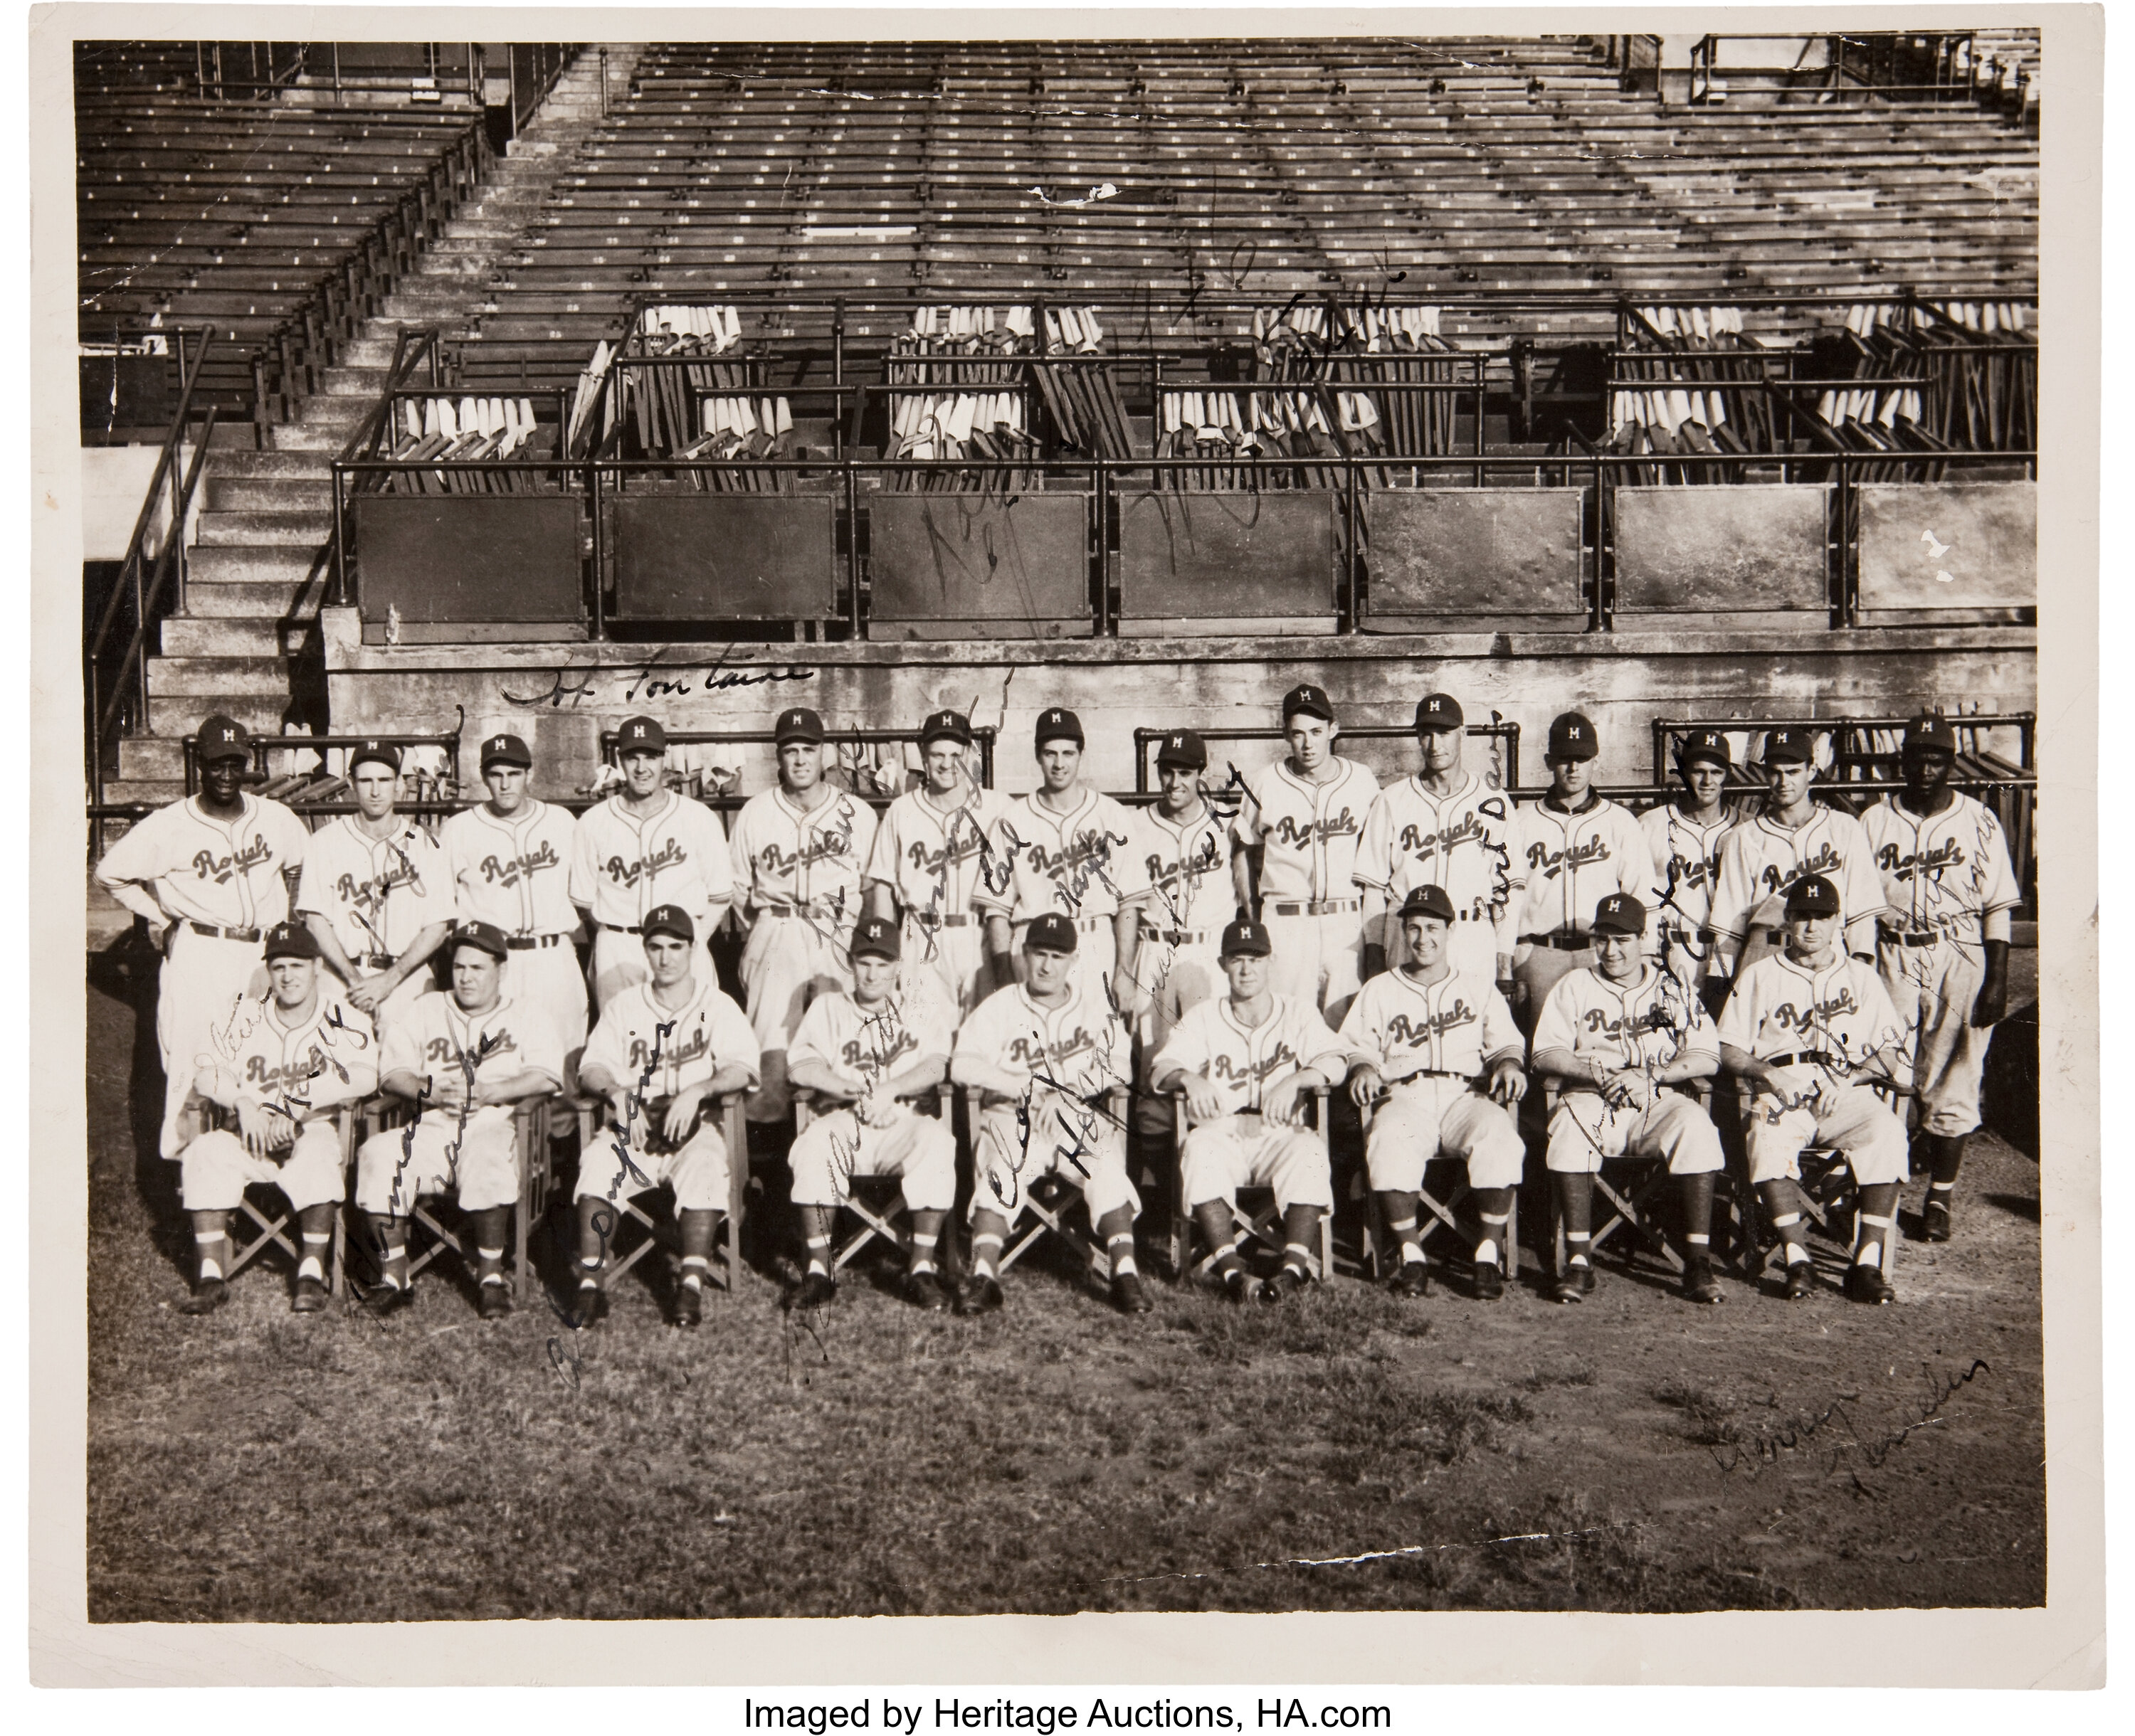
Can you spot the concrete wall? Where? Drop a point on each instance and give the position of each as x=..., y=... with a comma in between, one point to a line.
x=113, y=478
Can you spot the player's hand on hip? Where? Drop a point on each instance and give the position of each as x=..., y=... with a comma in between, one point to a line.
x=1365, y=1085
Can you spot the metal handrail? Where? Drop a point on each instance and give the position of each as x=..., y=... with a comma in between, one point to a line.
x=364, y=441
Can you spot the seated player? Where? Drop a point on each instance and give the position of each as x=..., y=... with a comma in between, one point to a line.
x=463, y=1058
x=1811, y=1028
x=284, y=1062
x=1044, y=1053
x=866, y=1055
x=663, y=1053
x=1246, y=1063
x=1615, y=1033
x=1426, y=1035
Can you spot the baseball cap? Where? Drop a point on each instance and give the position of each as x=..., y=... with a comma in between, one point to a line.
x=505, y=750
x=1184, y=747
x=1619, y=913
x=670, y=919
x=1571, y=737
x=488, y=935
x=1708, y=745
x=1246, y=941
x=223, y=738
x=874, y=938
x=1439, y=711
x=946, y=726
x=1929, y=732
x=799, y=724
x=1309, y=700
x=640, y=735
x=1427, y=901
x=1056, y=725
x=1812, y=895
x=1051, y=932
x=1789, y=746
x=291, y=940
x=381, y=753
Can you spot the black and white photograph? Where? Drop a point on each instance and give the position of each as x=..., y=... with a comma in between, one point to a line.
x=984, y=816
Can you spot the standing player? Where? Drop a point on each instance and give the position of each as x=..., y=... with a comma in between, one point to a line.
x=929, y=853
x=1442, y=827
x=1944, y=945
x=1811, y=1030
x=1297, y=833
x=1441, y=1045
x=1246, y=1063
x=643, y=847
x=209, y=875
x=510, y=860
x=1761, y=859
x=1683, y=837
x=376, y=892
x=799, y=852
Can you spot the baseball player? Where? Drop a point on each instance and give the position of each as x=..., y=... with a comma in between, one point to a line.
x=866, y=1055
x=643, y=847
x=1683, y=837
x=1442, y=826
x=800, y=851
x=1762, y=857
x=1575, y=845
x=509, y=859
x=463, y=1058
x=209, y=875
x=376, y=892
x=282, y=1064
x=1044, y=1053
x=1943, y=947
x=928, y=858
x=1427, y=1036
x=1298, y=830
x=1246, y=1063
x=1811, y=1029
x=664, y=1052
x=1614, y=1034
x=1069, y=849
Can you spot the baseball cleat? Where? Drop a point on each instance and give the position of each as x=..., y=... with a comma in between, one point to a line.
x=388, y=1299
x=1935, y=1220
x=1236, y=1286
x=1128, y=1296
x=310, y=1298
x=1489, y=1280
x=590, y=1305
x=1413, y=1279
x=1574, y=1283
x=923, y=1290
x=494, y=1302
x=818, y=1289
x=1864, y=1283
x=1287, y=1282
x=1698, y=1283
x=1801, y=1278
x=689, y=1306
x=206, y=1299
x=983, y=1298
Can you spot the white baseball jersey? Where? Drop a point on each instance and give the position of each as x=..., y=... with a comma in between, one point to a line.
x=301, y=1067
x=1686, y=855
x=933, y=860
x=514, y=872
x=1649, y=1022
x=1758, y=861
x=1779, y=1007
x=1467, y=843
x=1453, y=1026
x=1187, y=868
x=1941, y=872
x=875, y=1043
x=808, y=859
x=1242, y=1061
x=622, y=867
x=378, y=893
x=1081, y=863
x=437, y=1037
x=1309, y=832
x=655, y=1053
x=1080, y=1047
x=200, y=869
x=1574, y=858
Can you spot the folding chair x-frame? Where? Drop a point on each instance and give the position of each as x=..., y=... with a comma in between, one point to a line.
x=1040, y=1216
x=734, y=1131
x=1263, y=1224
x=875, y=1223
x=1435, y=1213
x=274, y=1232
x=1828, y=1195
x=529, y=1144
x=1633, y=1207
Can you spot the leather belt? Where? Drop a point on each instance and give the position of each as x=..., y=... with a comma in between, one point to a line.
x=617, y=928
x=374, y=960
x=1561, y=942
x=1806, y=1057
x=223, y=934
x=1431, y=1073
x=527, y=943
x=1317, y=907
x=1897, y=937
x=1082, y=925
x=1181, y=937
x=929, y=919
x=798, y=909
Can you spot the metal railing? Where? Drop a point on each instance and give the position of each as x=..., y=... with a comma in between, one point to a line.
x=1883, y=63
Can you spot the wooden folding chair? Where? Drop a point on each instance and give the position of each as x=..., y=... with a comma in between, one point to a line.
x=274, y=1232
x=1435, y=1213
x=1063, y=1194
x=733, y=1128
x=1828, y=1194
x=530, y=1142
x=1263, y=1224
x=1632, y=1208
x=878, y=1221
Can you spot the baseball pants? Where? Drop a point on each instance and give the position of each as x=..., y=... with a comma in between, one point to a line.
x=1472, y=945
x=1074, y=1139
x=478, y=1161
x=1318, y=959
x=1539, y=972
x=789, y=960
x=1246, y=1151
x=1176, y=976
x=551, y=979
x=1858, y=1124
x=1423, y=1118
x=918, y=1150
x=214, y=1170
x=696, y=1170
x=956, y=956
x=1586, y=1129
x=198, y=986
x=619, y=962
x=1933, y=988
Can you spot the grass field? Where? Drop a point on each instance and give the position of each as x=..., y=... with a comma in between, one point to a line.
x=1634, y=1454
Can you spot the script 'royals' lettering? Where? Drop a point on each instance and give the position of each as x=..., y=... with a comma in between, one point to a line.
x=1444, y=841
x=1223, y=1067
x=1550, y=862
x=1824, y=861
x=1288, y=830
x=367, y=894
x=209, y=866
x=1909, y=864
x=694, y=1048
x=774, y=860
x=1788, y=1017
x=1029, y=1051
x=443, y=1048
x=875, y=1057
x=511, y=870
x=1417, y=1032
x=670, y=854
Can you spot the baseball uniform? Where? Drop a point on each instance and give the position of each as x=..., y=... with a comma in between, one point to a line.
x=1431, y=1043
x=1642, y=1026
x=874, y=1044
x=1759, y=861
x=1686, y=854
x=1819, y=1026
x=468, y=1149
x=1068, y=1055
x=932, y=860
x=1187, y=867
x=1573, y=858
x=622, y=867
x=378, y=894
x=1309, y=833
x=306, y=1067
x=515, y=874
x=799, y=870
x=1081, y=863
x=1466, y=842
x=1943, y=875
x=221, y=883
x=657, y=1054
